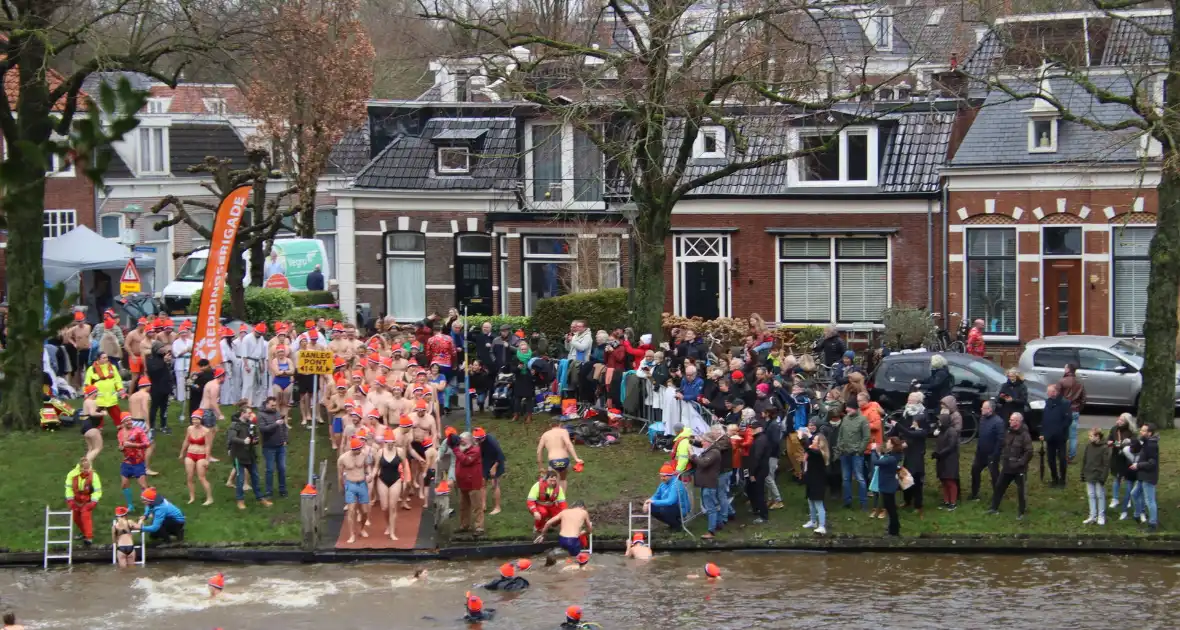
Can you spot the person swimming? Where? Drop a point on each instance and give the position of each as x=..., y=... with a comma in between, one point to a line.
x=712, y=573
x=508, y=580
x=582, y=562
x=638, y=547
x=573, y=620
x=216, y=585
x=475, y=610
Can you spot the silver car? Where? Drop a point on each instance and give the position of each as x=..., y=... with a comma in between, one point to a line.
x=1108, y=367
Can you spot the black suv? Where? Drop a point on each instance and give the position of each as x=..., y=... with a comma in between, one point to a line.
x=976, y=380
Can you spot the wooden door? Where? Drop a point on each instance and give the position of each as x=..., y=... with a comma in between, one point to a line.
x=1063, y=297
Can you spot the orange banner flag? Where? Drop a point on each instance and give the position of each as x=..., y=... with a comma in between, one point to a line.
x=207, y=343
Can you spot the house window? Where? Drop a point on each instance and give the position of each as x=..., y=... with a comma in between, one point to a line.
x=879, y=31
x=991, y=279
x=111, y=226
x=157, y=105
x=475, y=245
x=1132, y=269
x=325, y=231
x=710, y=143
x=502, y=252
x=845, y=158
x=565, y=166
x=550, y=268
x=454, y=160
x=1062, y=241
x=1042, y=135
x=153, y=151
x=609, y=273
x=845, y=276
x=54, y=223
x=405, y=275
x=215, y=106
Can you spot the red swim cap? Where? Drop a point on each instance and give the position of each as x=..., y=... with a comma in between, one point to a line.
x=712, y=570
x=583, y=558
x=507, y=570
x=573, y=613
x=524, y=564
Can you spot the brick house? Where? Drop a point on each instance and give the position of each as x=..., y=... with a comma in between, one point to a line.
x=1049, y=220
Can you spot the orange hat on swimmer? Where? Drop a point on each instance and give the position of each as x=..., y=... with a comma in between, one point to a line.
x=507, y=570
x=405, y=422
x=573, y=614
x=637, y=537
x=474, y=603
x=583, y=558
x=524, y=564
x=443, y=488
x=712, y=570
x=355, y=444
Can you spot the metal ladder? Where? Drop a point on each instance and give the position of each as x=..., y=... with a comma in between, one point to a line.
x=140, y=558
x=50, y=528
x=631, y=529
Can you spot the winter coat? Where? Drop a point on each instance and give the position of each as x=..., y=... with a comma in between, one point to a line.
x=946, y=450
x=938, y=385
x=239, y=449
x=273, y=433
x=853, y=436
x=1056, y=418
x=161, y=374
x=953, y=407
x=914, y=458
x=1118, y=462
x=1148, y=466
x=1096, y=462
x=483, y=348
x=815, y=478
x=1073, y=391
x=1018, y=391
x=469, y=468
x=991, y=436
x=887, y=473
x=758, y=462
x=1017, y=451
x=831, y=349
x=708, y=467
x=726, y=448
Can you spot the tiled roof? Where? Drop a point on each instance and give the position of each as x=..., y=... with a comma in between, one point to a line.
x=189, y=98
x=138, y=80
x=189, y=144
x=433, y=94
x=116, y=168
x=915, y=151
x=409, y=162
x=351, y=154
x=1140, y=40
x=999, y=134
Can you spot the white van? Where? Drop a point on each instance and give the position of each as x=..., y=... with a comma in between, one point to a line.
x=297, y=257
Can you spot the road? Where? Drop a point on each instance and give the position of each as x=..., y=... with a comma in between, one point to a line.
x=1102, y=417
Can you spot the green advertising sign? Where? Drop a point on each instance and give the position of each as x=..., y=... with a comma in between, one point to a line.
x=298, y=257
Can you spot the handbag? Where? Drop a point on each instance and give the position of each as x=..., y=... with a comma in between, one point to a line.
x=904, y=478
x=876, y=476
x=806, y=363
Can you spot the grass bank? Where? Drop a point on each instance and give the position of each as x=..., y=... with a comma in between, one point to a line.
x=628, y=472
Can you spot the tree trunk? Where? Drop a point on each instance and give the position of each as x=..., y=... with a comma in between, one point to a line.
x=651, y=233
x=1157, y=400
x=233, y=280
x=306, y=201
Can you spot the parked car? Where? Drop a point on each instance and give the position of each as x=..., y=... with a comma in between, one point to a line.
x=976, y=380
x=1109, y=367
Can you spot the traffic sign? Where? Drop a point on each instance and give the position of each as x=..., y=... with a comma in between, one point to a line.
x=144, y=249
x=130, y=281
x=277, y=281
x=314, y=362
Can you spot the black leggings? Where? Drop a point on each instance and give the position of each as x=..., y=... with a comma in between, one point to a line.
x=160, y=407
x=890, y=501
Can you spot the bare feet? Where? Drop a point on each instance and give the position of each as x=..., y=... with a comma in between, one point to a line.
x=364, y=533
x=191, y=499
x=265, y=502
x=392, y=537
x=241, y=505
x=229, y=484
x=351, y=539
x=213, y=460
x=208, y=501
x=494, y=512
x=152, y=473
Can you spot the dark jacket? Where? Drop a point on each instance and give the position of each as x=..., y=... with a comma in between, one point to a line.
x=1118, y=463
x=685, y=350
x=483, y=348
x=946, y=450
x=1018, y=391
x=315, y=280
x=758, y=462
x=236, y=437
x=991, y=436
x=938, y=385
x=1148, y=467
x=915, y=440
x=708, y=467
x=887, y=473
x=1096, y=462
x=491, y=453
x=1056, y=418
x=815, y=478
x=273, y=433
x=726, y=448
x=515, y=583
x=1017, y=451
x=161, y=374
x=831, y=349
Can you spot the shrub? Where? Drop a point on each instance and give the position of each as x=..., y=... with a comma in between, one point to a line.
x=313, y=298
x=517, y=322
x=301, y=314
x=800, y=338
x=604, y=309
x=907, y=327
x=262, y=305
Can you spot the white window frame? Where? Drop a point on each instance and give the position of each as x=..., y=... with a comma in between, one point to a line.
x=833, y=261
x=459, y=251
x=1034, y=145
x=215, y=106
x=164, y=146
x=466, y=169
x=607, y=260
x=502, y=253
x=568, y=188
x=334, y=233
x=698, y=145
x=157, y=105
x=1114, y=230
x=403, y=255
x=55, y=160
x=526, y=258
x=883, y=20
x=118, y=216
x=59, y=216
x=725, y=259
x=795, y=174
x=1015, y=336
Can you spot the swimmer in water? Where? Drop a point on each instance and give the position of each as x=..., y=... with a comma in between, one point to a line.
x=475, y=610
x=574, y=528
x=10, y=622
x=712, y=573
x=216, y=585
x=419, y=575
x=551, y=557
x=508, y=580
x=638, y=548
x=582, y=561
x=573, y=620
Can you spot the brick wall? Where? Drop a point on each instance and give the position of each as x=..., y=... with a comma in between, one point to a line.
x=63, y=193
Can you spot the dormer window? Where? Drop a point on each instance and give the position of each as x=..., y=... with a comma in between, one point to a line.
x=158, y=105
x=710, y=143
x=152, y=156
x=215, y=106
x=1042, y=135
x=878, y=29
x=454, y=161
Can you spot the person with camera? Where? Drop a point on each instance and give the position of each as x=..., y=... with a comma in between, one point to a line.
x=708, y=464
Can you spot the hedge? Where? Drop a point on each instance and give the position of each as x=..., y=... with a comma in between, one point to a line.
x=517, y=322
x=605, y=309
x=262, y=305
x=313, y=298
x=301, y=314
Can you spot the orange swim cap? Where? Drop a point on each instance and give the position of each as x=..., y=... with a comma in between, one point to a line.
x=507, y=570
x=573, y=613
x=637, y=537
x=667, y=469
x=712, y=570
x=583, y=558
x=524, y=564
x=474, y=604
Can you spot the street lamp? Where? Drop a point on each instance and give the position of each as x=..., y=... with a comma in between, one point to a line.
x=630, y=212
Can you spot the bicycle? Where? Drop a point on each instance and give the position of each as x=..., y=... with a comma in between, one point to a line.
x=942, y=338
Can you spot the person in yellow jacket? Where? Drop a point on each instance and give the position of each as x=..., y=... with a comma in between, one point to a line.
x=682, y=448
x=546, y=499
x=105, y=376
x=83, y=490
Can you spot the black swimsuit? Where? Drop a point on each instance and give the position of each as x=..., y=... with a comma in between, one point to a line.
x=389, y=472
x=91, y=422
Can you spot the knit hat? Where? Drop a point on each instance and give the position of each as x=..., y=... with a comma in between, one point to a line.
x=763, y=388
x=474, y=604
x=144, y=381
x=712, y=570
x=583, y=558
x=443, y=489
x=405, y=422
x=121, y=511
x=737, y=375
x=355, y=444
x=667, y=469
x=260, y=328
x=478, y=433
x=524, y=564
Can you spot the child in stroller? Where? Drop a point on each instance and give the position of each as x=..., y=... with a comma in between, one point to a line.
x=502, y=393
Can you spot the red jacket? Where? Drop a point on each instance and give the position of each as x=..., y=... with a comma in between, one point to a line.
x=616, y=359
x=636, y=352
x=469, y=468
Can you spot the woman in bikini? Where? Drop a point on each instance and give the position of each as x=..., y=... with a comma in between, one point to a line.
x=283, y=369
x=121, y=530
x=304, y=385
x=92, y=423
x=194, y=452
x=392, y=471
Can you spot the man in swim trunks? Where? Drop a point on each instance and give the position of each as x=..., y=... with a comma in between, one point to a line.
x=560, y=449
x=211, y=407
x=638, y=548
x=139, y=404
x=354, y=477
x=424, y=427
x=77, y=337
x=574, y=528
x=133, y=441
x=133, y=349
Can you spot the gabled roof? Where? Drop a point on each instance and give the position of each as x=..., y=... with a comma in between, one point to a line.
x=186, y=98
x=999, y=134
x=351, y=153
x=189, y=144
x=409, y=162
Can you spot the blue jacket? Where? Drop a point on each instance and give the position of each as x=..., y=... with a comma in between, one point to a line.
x=491, y=453
x=691, y=390
x=887, y=474
x=159, y=512
x=669, y=493
x=1056, y=418
x=991, y=435
x=800, y=407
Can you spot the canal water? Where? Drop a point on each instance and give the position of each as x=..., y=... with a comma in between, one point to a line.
x=758, y=590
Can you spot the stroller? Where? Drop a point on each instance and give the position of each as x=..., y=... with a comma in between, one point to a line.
x=502, y=394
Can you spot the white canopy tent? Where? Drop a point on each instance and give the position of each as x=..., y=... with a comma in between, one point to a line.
x=81, y=249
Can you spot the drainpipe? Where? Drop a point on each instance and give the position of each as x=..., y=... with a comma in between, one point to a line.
x=945, y=255
x=929, y=254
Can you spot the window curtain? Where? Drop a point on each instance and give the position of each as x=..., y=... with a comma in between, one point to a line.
x=405, y=288
x=547, y=163
x=587, y=168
